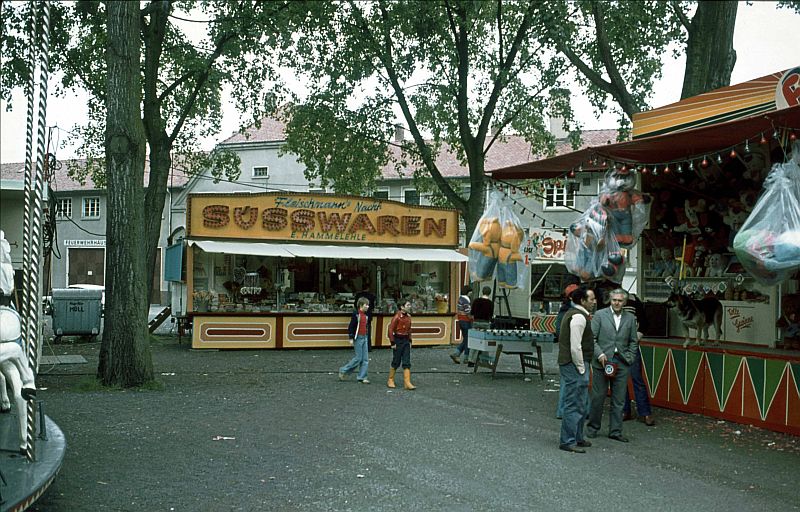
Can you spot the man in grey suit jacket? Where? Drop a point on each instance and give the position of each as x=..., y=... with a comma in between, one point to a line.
x=615, y=341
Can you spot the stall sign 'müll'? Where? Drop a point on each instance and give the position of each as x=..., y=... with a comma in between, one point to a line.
x=316, y=218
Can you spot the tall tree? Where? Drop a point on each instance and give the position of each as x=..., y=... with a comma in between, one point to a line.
x=180, y=80
x=617, y=47
x=125, y=352
x=710, y=56
x=457, y=73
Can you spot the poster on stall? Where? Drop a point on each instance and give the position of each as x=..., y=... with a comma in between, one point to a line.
x=545, y=246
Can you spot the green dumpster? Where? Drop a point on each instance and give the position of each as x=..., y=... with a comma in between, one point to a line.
x=76, y=312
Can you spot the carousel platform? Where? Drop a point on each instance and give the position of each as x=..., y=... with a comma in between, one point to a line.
x=24, y=482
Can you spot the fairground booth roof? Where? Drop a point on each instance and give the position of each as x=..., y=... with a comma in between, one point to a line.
x=721, y=121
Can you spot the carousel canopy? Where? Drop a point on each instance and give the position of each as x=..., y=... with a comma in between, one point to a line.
x=664, y=149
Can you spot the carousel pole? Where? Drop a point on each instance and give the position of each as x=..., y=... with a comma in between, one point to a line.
x=34, y=212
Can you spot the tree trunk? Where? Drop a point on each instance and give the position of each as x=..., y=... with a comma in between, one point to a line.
x=160, y=163
x=710, y=56
x=125, y=358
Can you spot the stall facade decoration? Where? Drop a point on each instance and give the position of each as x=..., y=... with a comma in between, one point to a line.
x=282, y=270
x=703, y=161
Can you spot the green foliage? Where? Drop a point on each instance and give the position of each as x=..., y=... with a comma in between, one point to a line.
x=616, y=48
x=457, y=73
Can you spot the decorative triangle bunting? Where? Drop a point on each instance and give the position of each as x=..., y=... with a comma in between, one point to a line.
x=659, y=360
x=731, y=365
x=693, y=361
x=647, y=367
x=755, y=365
x=715, y=367
x=679, y=360
x=774, y=374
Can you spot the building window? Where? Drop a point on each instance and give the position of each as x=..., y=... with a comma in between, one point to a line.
x=316, y=190
x=410, y=196
x=91, y=208
x=381, y=193
x=64, y=209
x=261, y=172
x=558, y=198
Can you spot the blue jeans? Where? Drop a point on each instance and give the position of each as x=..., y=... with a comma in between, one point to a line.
x=360, y=359
x=575, y=393
x=463, y=347
x=562, y=394
x=639, y=390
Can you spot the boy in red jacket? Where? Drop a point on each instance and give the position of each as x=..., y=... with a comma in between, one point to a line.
x=400, y=339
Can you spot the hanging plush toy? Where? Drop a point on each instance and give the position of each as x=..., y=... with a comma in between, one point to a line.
x=626, y=207
x=495, y=246
x=509, y=255
x=486, y=247
x=592, y=251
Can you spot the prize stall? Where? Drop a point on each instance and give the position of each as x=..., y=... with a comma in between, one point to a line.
x=282, y=270
x=721, y=189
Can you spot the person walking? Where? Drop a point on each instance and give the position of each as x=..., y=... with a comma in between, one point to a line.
x=359, y=334
x=615, y=349
x=400, y=339
x=464, y=319
x=575, y=347
x=643, y=408
x=483, y=309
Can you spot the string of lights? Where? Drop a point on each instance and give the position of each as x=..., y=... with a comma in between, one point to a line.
x=696, y=163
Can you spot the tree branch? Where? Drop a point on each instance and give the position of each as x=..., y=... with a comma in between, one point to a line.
x=619, y=90
x=502, y=76
x=384, y=54
x=681, y=15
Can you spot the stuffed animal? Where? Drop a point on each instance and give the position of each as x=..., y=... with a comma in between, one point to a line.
x=734, y=218
x=592, y=251
x=789, y=322
x=510, y=241
x=488, y=248
x=665, y=265
x=625, y=205
x=716, y=265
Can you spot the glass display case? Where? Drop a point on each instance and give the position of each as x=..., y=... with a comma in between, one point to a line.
x=255, y=284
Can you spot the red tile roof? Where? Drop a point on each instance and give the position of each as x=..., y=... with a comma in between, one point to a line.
x=271, y=130
x=511, y=150
x=62, y=182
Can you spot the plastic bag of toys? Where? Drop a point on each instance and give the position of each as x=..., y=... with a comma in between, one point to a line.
x=627, y=208
x=512, y=270
x=495, y=246
x=768, y=243
x=593, y=251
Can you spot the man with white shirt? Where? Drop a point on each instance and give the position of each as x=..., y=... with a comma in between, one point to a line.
x=575, y=346
x=615, y=348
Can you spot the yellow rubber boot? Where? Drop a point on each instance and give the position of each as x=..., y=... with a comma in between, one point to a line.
x=390, y=382
x=407, y=379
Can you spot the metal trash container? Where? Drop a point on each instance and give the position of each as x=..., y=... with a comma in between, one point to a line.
x=76, y=312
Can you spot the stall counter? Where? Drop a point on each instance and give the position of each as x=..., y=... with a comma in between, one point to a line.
x=750, y=385
x=306, y=330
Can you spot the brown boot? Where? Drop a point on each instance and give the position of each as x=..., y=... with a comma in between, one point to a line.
x=407, y=379
x=390, y=382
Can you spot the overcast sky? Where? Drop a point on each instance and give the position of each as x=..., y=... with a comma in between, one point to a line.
x=765, y=41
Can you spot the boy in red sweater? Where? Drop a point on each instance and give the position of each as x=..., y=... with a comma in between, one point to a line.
x=400, y=339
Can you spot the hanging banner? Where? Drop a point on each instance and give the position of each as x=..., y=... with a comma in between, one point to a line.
x=545, y=246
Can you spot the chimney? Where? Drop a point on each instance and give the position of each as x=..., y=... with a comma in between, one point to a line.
x=557, y=128
x=399, y=133
x=559, y=102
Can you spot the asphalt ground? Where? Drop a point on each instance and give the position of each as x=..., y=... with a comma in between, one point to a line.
x=277, y=430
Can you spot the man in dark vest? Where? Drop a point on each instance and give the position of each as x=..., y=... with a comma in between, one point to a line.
x=575, y=349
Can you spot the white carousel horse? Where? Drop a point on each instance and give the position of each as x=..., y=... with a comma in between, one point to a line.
x=14, y=371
